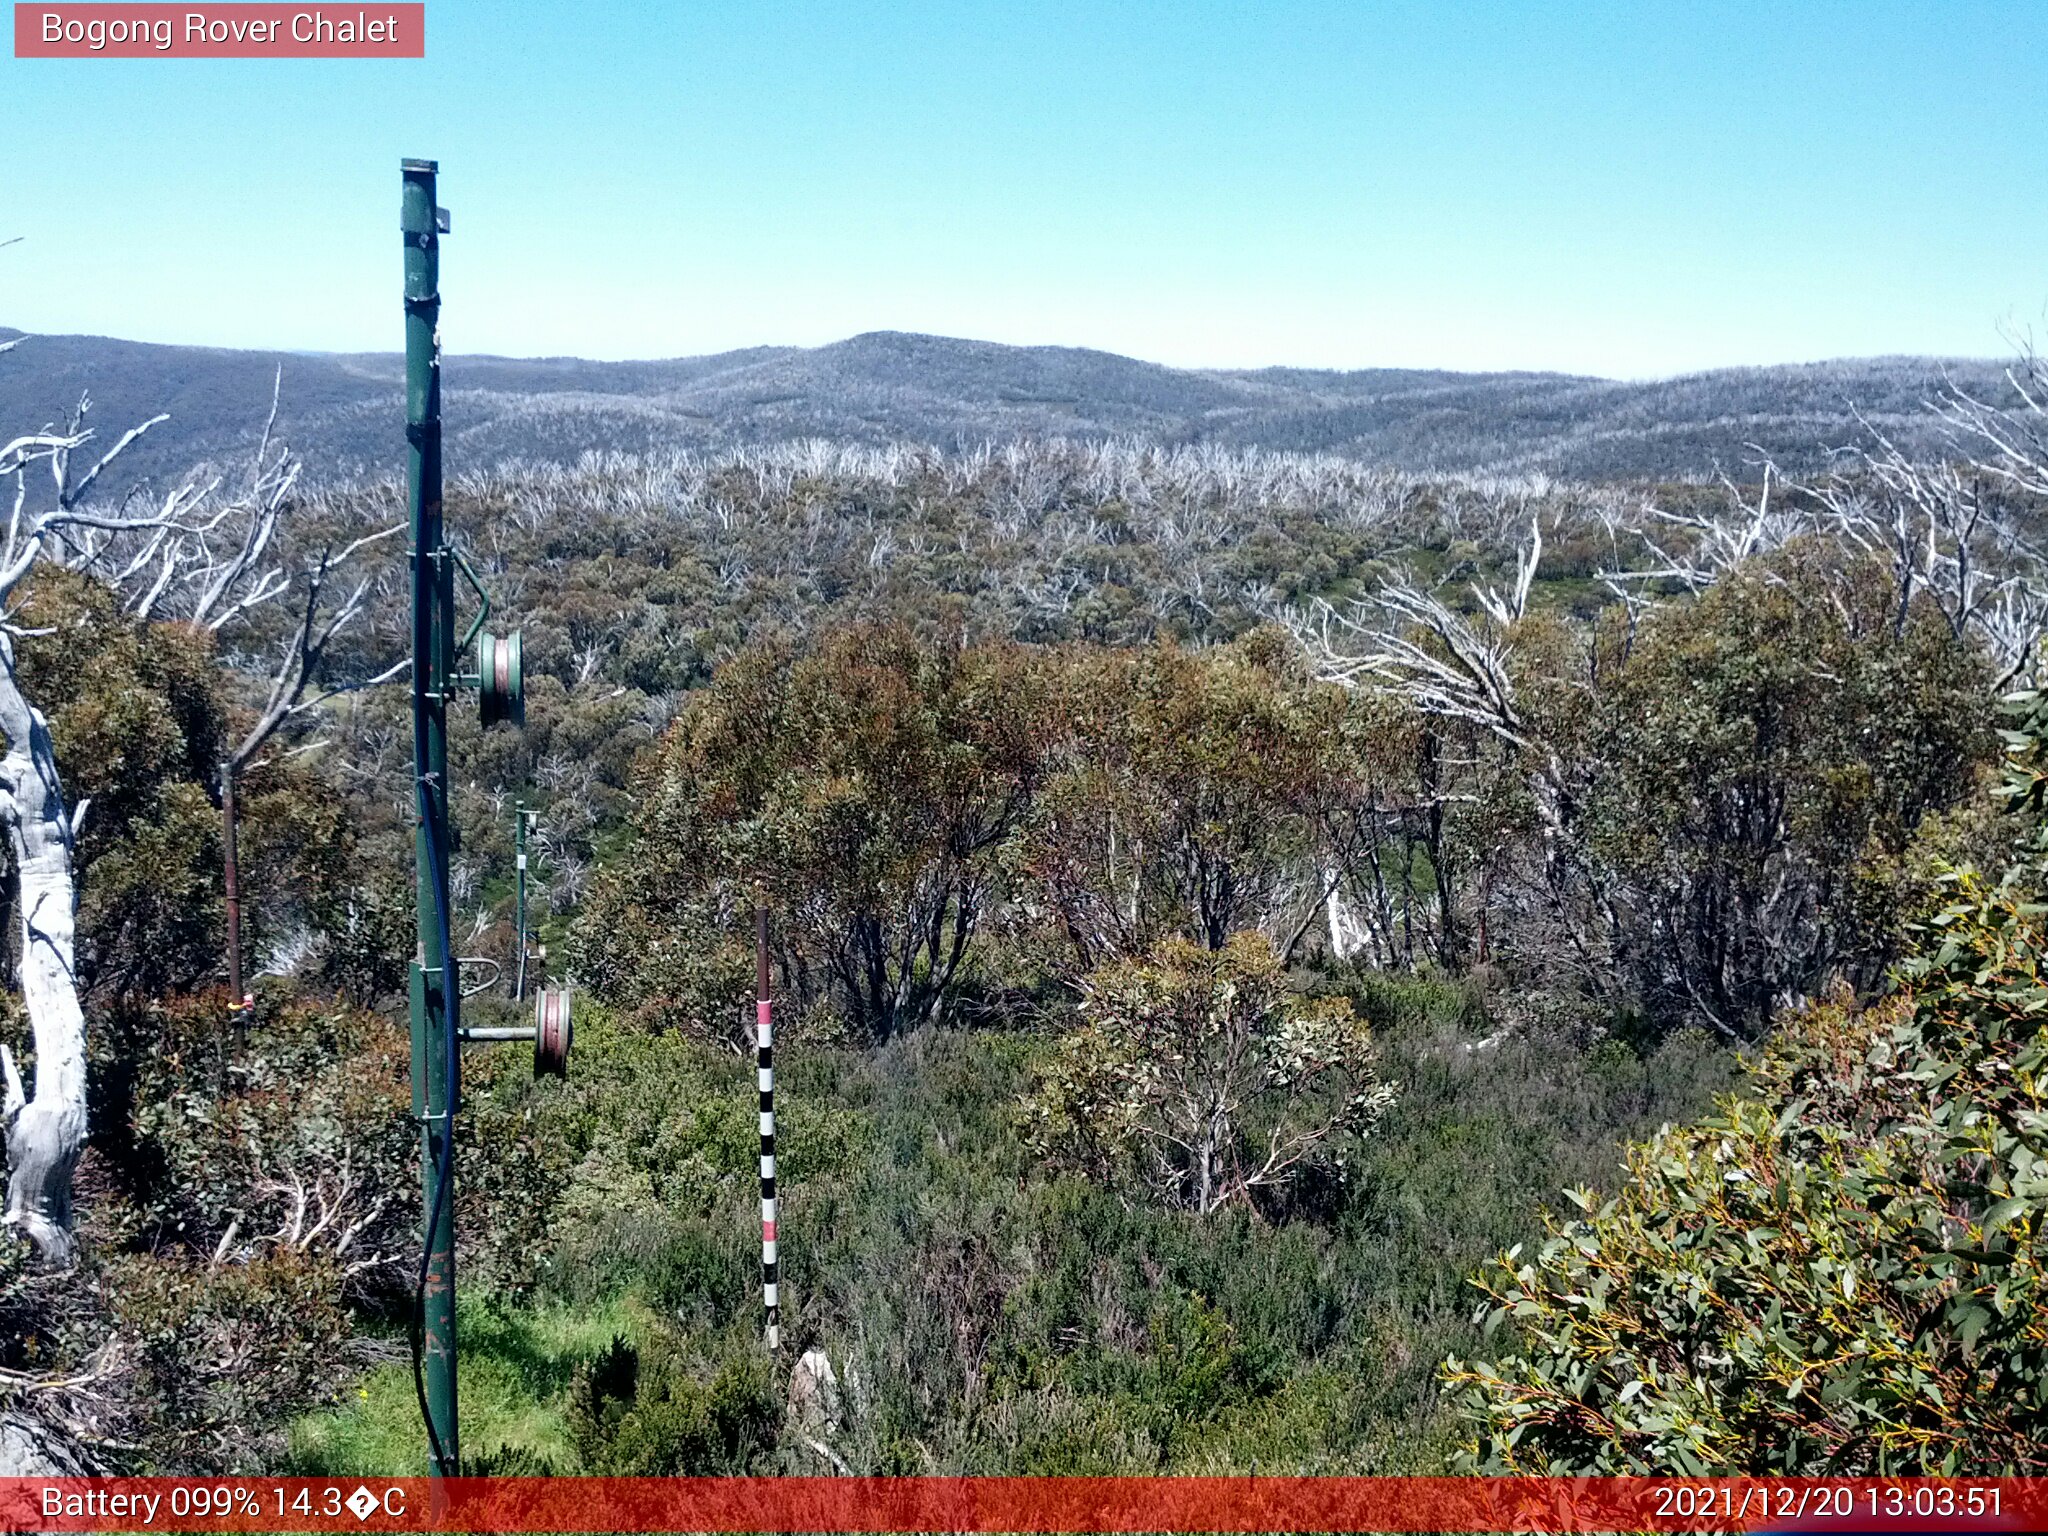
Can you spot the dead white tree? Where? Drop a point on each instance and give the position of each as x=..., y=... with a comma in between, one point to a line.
x=323, y=1213
x=1406, y=643
x=1949, y=531
x=297, y=688
x=192, y=554
x=1710, y=544
x=1504, y=608
x=2008, y=443
x=46, y=1132
x=1953, y=530
x=212, y=572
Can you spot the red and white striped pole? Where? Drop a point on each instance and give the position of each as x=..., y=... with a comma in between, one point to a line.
x=764, y=1046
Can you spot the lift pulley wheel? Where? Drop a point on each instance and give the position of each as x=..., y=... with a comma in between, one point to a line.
x=552, y=1032
x=501, y=689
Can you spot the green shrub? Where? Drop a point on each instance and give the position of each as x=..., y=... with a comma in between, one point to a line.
x=864, y=786
x=304, y=1104
x=1199, y=1075
x=222, y=1356
x=1845, y=1274
x=1758, y=764
x=643, y=1412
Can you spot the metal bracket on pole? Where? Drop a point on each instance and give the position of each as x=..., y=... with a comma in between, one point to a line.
x=483, y=601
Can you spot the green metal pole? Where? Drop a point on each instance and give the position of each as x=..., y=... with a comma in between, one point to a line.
x=436, y=1088
x=519, y=842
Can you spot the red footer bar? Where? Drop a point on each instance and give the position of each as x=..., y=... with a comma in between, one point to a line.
x=1024, y=1504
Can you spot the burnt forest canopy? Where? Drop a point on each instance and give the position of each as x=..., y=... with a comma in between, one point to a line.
x=886, y=387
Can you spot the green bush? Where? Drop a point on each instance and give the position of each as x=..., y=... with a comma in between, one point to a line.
x=222, y=1356
x=863, y=786
x=1844, y=1274
x=1184, y=794
x=1200, y=1076
x=643, y=1412
x=1757, y=767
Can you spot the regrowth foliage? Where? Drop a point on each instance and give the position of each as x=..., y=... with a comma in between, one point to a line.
x=1200, y=1076
x=1843, y=1273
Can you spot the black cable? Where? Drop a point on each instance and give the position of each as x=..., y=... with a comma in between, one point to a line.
x=444, y=1180
x=444, y=1173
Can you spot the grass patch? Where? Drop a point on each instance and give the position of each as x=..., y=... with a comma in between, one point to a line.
x=512, y=1389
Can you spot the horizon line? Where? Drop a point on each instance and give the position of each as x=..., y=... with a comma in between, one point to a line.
x=21, y=333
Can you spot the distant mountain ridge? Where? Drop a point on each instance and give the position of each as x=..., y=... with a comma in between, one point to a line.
x=342, y=410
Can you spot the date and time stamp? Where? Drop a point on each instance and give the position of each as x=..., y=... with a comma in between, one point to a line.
x=1763, y=1503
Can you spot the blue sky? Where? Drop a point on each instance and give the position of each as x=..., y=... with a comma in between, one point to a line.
x=1627, y=189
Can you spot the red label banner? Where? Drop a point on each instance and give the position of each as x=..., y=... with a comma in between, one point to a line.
x=117, y=31
x=977, y=1504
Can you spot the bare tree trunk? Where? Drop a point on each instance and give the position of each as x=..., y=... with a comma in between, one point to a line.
x=31, y=1448
x=45, y=1134
x=165, y=553
x=230, y=869
x=1341, y=947
x=1446, y=904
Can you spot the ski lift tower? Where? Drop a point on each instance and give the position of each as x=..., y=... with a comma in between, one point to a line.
x=437, y=652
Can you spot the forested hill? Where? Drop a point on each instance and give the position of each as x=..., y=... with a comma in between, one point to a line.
x=339, y=410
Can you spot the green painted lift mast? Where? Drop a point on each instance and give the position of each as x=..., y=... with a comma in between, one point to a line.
x=436, y=1061
x=436, y=989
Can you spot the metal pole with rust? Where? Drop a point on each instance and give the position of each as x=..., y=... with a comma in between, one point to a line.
x=435, y=994
x=764, y=1066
